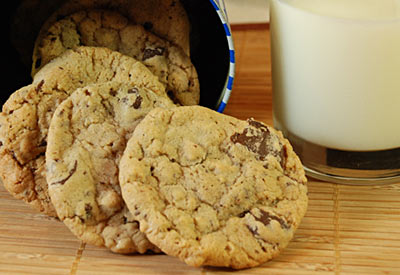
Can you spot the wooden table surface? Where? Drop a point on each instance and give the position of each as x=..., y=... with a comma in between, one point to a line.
x=347, y=230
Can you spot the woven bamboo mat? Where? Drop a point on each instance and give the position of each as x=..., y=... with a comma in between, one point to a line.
x=346, y=230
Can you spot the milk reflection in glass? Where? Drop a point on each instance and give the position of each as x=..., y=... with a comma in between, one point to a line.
x=336, y=72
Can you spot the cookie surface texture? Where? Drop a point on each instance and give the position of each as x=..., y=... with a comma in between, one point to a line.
x=212, y=189
x=165, y=18
x=26, y=115
x=86, y=138
x=104, y=28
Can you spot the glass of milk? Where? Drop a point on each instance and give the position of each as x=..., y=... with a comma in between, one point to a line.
x=336, y=86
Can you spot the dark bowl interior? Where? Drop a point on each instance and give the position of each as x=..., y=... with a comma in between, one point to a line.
x=209, y=47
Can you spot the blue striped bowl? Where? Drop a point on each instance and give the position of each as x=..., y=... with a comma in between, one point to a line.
x=219, y=7
x=211, y=50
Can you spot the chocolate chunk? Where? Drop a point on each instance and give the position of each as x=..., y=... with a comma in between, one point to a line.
x=254, y=141
x=138, y=102
x=241, y=215
x=149, y=53
x=283, y=156
x=139, y=98
x=73, y=170
x=258, y=141
x=39, y=86
x=266, y=219
x=113, y=92
x=257, y=124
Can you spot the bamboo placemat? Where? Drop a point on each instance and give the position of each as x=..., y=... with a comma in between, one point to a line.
x=347, y=229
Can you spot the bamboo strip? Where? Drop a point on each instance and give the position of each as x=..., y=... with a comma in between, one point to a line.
x=370, y=226
x=355, y=237
x=393, y=216
x=375, y=211
x=299, y=268
x=317, y=223
x=357, y=270
x=376, y=249
x=363, y=259
x=32, y=243
x=137, y=264
x=304, y=254
x=371, y=205
x=29, y=270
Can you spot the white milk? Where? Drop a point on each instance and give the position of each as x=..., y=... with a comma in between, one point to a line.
x=336, y=71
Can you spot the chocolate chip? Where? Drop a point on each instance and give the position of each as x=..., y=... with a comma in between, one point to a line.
x=257, y=124
x=283, y=155
x=266, y=219
x=253, y=141
x=241, y=215
x=73, y=170
x=258, y=141
x=137, y=102
x=149, y=53
x=39, y=86
x=113, y=92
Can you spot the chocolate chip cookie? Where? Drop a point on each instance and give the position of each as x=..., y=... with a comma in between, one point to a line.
x=165, y=18
x=211, y=189
x=26, y=115
x=104, y=28
x=87, y=136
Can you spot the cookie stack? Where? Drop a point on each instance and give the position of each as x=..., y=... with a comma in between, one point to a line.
x=108, y=137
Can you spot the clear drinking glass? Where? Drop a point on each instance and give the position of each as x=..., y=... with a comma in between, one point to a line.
x=336, y=86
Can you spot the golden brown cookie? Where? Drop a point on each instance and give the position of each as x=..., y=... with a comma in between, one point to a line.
x=26, y=115
x=104, y=28
x=87, y=136
x=165, y=18
x=211, y=189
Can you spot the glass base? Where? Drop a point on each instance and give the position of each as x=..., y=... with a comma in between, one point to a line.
x=347, y=167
